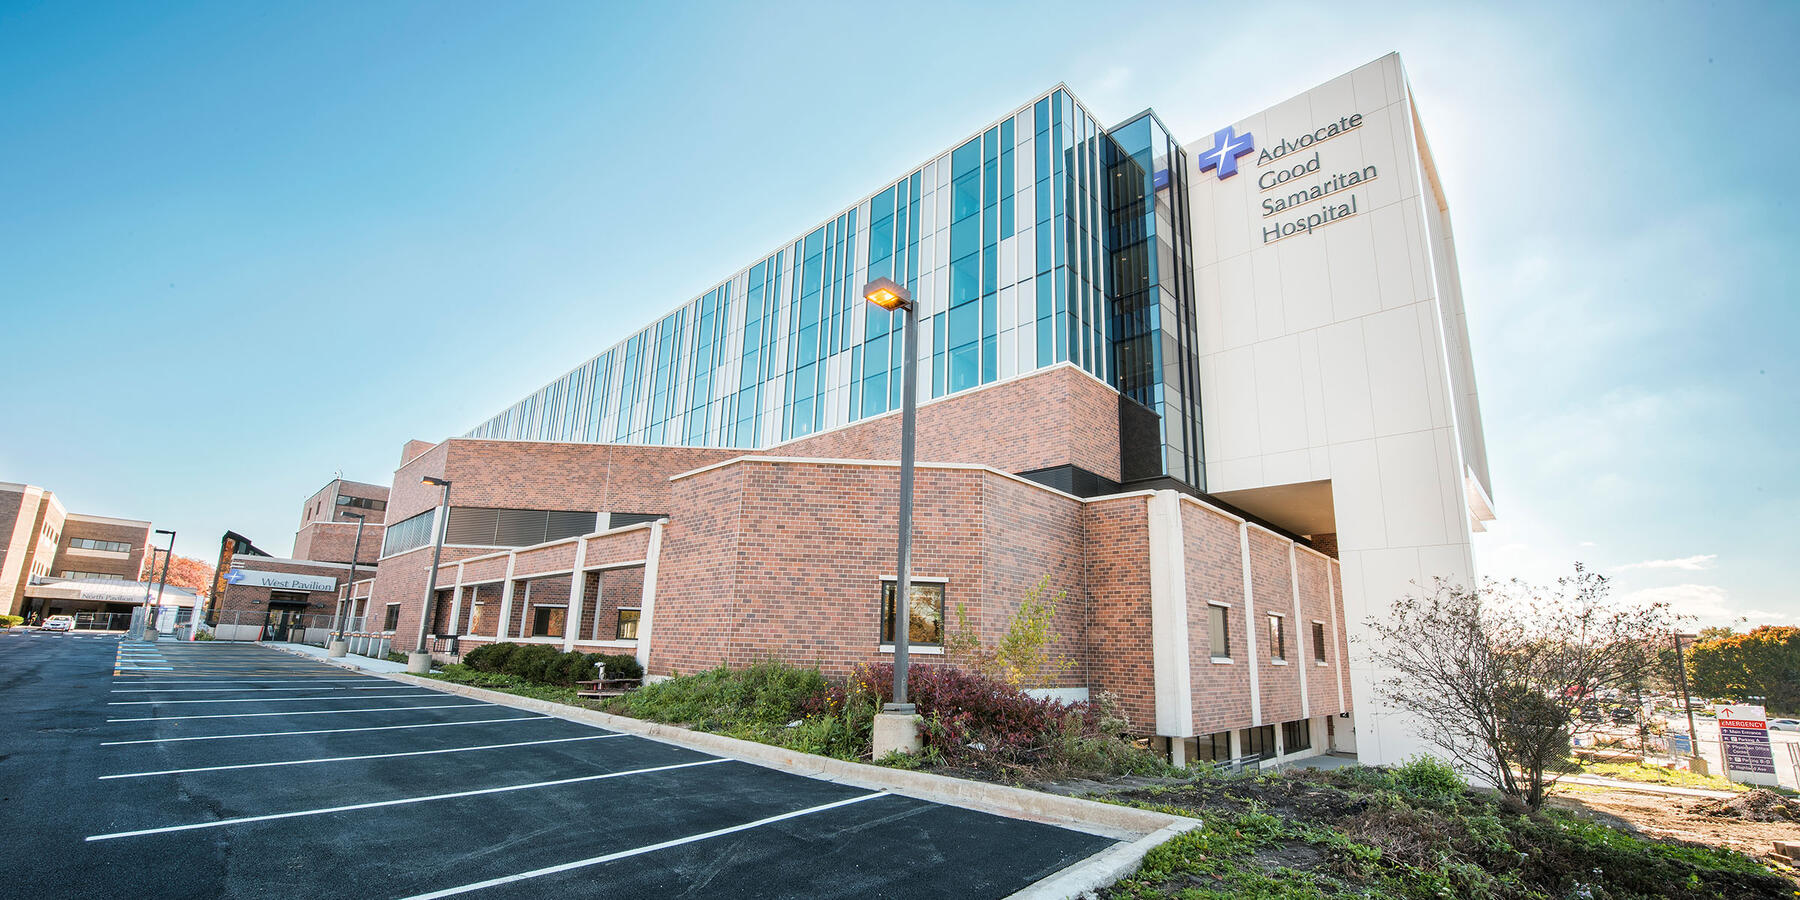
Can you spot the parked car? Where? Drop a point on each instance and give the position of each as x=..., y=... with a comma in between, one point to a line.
x=1784, y=724
x=59, y=623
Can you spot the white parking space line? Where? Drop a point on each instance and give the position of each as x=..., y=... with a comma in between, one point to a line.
x=244, y=820
x=272, y=699
x=637, y=851
x=197, y=679
x=259, y=734
x=271, y=690
x=305, y=712
x=332, y=759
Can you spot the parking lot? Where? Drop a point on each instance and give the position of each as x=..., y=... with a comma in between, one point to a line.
x=208, y=769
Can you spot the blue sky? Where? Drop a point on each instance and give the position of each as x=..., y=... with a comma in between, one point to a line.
x=244, y=246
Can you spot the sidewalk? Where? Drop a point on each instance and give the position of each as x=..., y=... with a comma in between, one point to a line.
x=1620, y=784
x=350, y=661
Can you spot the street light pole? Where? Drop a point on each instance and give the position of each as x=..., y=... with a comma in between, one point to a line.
x=1696, y=762
x=150, y=633
x=419, y=661
x=339, y=646
x=896, y=728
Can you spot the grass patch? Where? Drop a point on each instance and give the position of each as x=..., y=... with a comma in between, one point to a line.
x=1411, y=833
x=1649, y=774
x=457, y=673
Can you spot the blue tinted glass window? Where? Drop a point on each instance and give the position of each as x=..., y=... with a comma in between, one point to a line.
x=965, y=280
x=965, y=197
x=965, y=159
x=965, y=367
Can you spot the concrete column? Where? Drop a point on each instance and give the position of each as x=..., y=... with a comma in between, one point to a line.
x=1302, y=634
x=647, y=605
x=1172, y=665
x=1337, y=649
x=1250, y=625
x=456, y=602
x=506, y=592
x=577, y=593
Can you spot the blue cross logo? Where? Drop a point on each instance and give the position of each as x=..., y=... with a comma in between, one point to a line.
x=1227, y=146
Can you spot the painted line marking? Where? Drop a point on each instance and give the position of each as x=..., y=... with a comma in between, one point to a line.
x=638, y=851
x=255, y=690
x=306, y=712
x=190, y=679
x=270, y=699
x=257, y=734
x=330, y=759
x=244, y=820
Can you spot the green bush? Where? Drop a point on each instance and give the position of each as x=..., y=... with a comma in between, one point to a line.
x=530, y=661
x=1428, y=779
x=619, y=665
x=488, y=657
x=10, y=621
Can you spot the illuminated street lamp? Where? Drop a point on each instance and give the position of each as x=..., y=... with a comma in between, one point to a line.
x=419, y=661
x=156, y=608
x=896, y=728
x=339, y=646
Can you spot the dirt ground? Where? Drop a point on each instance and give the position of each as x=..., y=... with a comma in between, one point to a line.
x=1671, y=816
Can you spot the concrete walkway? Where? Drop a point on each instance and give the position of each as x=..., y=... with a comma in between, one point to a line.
x=1623, y=785
x=350, y=661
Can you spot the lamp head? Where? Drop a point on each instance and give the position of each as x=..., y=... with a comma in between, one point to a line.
x=438, y=482
x=888, y=294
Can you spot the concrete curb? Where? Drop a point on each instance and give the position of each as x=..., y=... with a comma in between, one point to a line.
x=1138, y=830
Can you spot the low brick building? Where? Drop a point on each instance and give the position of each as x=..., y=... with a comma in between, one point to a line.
x=1220, y=635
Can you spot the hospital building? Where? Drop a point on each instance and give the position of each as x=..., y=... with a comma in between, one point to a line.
x=1216, y=388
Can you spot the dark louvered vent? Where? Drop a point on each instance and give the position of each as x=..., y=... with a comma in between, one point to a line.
x=471, y=526
x=568, y=524
x=518, y=527
x=621, y=519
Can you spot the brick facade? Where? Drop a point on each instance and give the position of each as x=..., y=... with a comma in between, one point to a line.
x=783, y=555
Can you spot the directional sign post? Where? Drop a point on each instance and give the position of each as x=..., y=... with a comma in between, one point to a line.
x=1744, y=742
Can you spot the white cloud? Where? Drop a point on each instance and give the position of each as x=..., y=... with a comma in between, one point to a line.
x=1697, y=563
x=1706, y=603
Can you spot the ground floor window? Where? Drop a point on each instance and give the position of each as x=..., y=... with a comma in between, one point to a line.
x=1215, y=746
x=1258, y=741
x=628, y=623
x=925, y=613
x=1296, y=736
x=548, y=621
x=392, y=621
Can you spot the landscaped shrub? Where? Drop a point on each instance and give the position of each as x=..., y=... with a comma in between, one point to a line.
x=10, y=621
x=619, y=665
x=489, y=657
x=1428, y=779
x=530, y=661
x=979, y=722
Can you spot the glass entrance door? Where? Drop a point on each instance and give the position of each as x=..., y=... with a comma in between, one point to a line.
x=281, y=623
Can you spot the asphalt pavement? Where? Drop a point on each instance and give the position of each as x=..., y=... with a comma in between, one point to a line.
x=232, y=770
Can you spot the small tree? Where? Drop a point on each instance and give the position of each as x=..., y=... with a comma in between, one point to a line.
x=1498, y=675
x=1023, y=657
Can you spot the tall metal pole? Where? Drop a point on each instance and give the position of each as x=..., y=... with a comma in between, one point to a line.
x=1687, y=702
x=350, y=584
x=903, y=575
x=437, y=552
x=167, y=555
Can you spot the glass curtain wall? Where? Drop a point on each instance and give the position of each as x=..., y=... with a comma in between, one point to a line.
x=1155, y=349
x=1005, y=242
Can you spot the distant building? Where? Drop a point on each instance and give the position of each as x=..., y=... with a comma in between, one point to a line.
x=44, y=547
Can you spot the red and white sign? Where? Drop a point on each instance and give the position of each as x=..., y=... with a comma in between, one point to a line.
x=1744, y=738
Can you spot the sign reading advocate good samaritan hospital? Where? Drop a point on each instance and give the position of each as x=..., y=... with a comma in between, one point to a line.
x=1301, y=183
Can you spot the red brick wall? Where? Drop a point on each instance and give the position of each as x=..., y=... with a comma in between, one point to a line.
x=1030, y=533
x=1117, y=557
x=1215, y=571
x=70, y=559
x=1076, y=421
x=1273, y=590
x=1315, y=605
x=333, y=542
